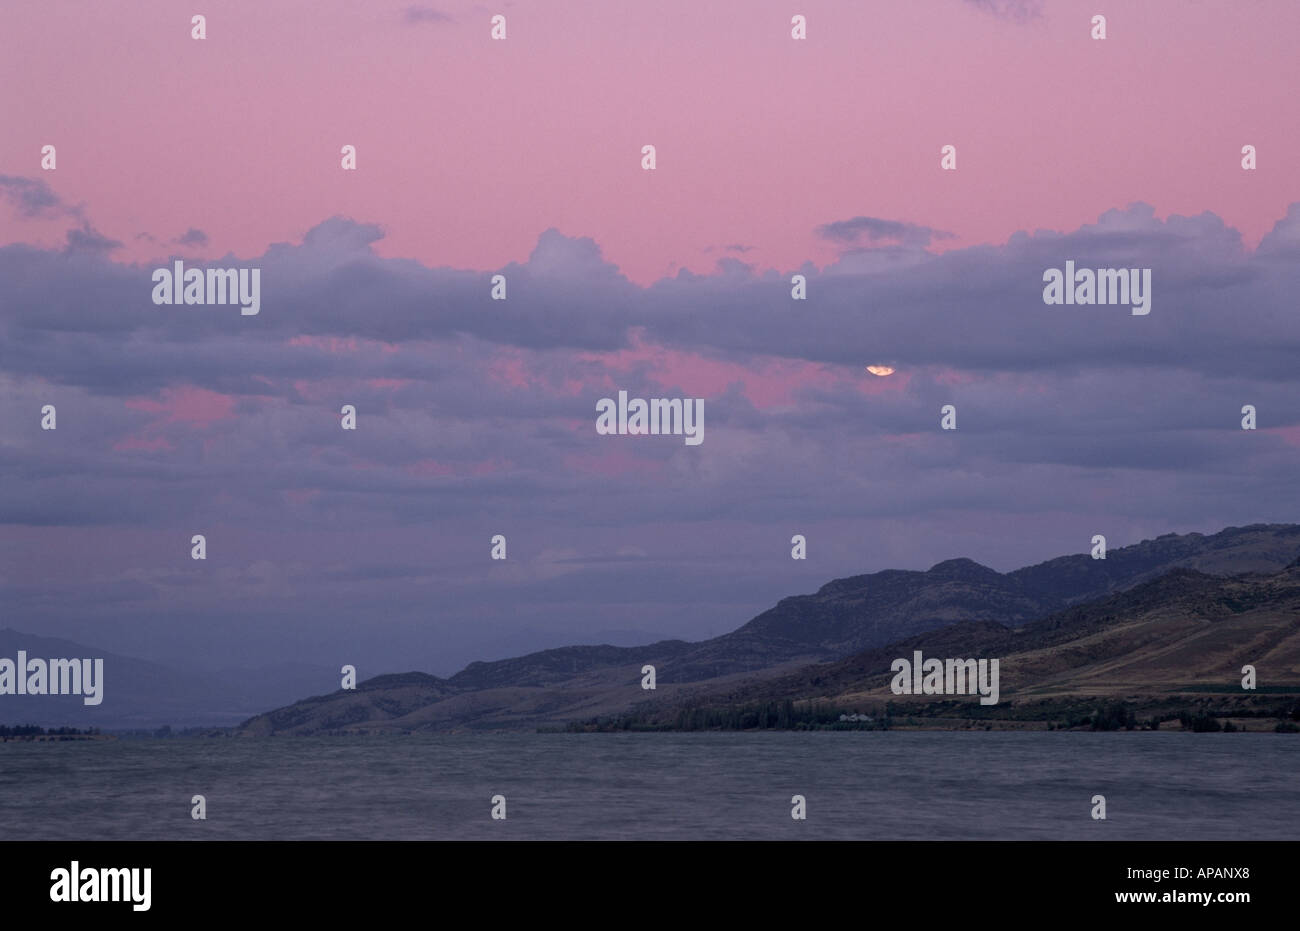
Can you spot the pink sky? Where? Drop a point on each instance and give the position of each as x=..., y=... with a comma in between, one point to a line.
x=478, y=418
x=469, y=148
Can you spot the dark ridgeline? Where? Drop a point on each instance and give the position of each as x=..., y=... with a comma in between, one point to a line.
x=840, y=641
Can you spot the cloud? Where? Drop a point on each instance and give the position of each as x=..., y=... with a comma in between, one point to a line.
x=425, y=14
x=977, y=309
x=981, y=308
x=33, y=198
x=476, y=417
x=854, y=231
x=1020, y=11
x=341, y=234
x=192, y=237
x=88, y=239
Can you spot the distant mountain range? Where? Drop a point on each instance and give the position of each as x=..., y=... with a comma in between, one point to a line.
x=1161, y=614
x=139, y=694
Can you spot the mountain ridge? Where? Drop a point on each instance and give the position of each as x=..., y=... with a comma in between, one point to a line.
x=842, y=619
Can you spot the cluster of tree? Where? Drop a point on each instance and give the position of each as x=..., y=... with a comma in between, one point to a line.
x=771, y=715
x=1113, y=717
x=787, y=715
x=1117, y=716
x=31, y=730
x=1200, y=723
x=1120, y=716
x=760, y=716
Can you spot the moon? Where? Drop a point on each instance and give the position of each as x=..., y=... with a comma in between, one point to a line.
x=881, y=370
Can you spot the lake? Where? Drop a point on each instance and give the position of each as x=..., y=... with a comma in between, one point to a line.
x=859, y=785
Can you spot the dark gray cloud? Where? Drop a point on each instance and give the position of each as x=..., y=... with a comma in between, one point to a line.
x=87, y=239
x=192, y=237
x=34, y=198
x=476, y=417
x=977, y=309
x=872, y=230
x=982, y=309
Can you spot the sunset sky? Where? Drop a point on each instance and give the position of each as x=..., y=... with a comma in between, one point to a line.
x=523, y=157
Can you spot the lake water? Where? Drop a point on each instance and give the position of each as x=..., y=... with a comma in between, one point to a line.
x=869, y=785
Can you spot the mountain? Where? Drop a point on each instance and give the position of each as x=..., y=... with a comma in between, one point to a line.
x=138, y=694
x=848, y=615
x=1235, y=550
x=1177, y=643
x=842, y=619
x=853, y=614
